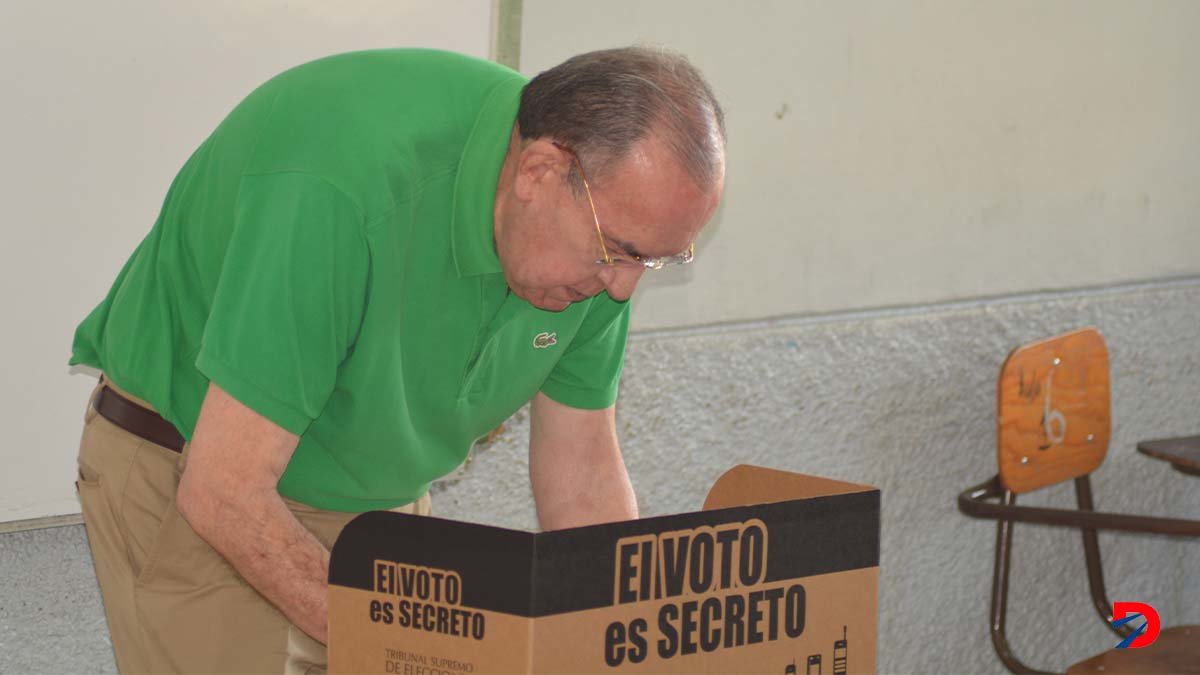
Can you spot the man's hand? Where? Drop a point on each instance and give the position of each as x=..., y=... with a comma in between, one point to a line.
x=228, y=495
x=575, y=466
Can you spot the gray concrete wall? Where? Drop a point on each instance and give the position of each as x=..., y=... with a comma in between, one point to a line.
x=902, y=399
x=51, y=619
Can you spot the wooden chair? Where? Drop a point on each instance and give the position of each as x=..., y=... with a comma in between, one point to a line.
x=1052, y=426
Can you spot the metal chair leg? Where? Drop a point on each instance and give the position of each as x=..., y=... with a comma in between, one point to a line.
x=1004, y=532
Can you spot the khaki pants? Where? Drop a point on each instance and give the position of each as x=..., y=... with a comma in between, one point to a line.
x=173, y=603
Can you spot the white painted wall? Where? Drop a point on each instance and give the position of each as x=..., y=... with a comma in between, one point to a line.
x=102, y=103
x=896, y=153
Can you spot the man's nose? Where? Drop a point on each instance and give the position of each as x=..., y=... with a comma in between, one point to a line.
x=620, y=280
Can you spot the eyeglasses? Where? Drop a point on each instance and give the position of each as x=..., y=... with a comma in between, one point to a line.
x=633, y=260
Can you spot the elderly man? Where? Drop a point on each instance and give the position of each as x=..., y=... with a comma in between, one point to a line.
x=375, y=258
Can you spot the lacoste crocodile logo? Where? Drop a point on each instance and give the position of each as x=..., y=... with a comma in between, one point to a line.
x=544, y=340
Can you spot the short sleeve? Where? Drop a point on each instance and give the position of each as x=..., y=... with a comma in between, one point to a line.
x=290, y=298
x=589, y=373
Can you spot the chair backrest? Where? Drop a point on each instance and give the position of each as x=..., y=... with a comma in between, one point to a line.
x=1053, y=410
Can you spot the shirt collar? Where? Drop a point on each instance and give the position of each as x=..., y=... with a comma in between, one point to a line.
x=471, y=223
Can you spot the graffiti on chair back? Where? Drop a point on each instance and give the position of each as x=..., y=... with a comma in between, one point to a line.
x=1054, y=423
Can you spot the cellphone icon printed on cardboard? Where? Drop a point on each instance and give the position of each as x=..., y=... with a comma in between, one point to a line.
x=813, y=666
x=839, y=654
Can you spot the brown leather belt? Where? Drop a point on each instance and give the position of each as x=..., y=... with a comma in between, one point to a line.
x=137, y=420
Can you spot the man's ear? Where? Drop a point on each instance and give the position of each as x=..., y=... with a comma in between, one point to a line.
x=539, y=165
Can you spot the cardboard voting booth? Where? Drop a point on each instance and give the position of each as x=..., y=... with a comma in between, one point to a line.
x=779, y=573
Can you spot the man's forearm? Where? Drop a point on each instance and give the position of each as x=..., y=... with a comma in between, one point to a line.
x=272, y=551
x=596, y=494
x=575, y=466
x=612, y=498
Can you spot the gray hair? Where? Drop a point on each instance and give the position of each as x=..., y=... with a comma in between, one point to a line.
x=600, y=104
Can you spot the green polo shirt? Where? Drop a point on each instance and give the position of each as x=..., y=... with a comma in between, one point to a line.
x=326, y=257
